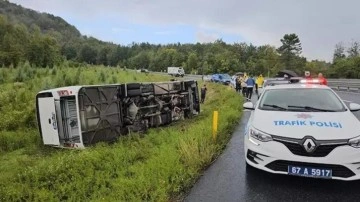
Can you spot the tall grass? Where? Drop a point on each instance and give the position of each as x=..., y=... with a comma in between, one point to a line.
x=160, y=166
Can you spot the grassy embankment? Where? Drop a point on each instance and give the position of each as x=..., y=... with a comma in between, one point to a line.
x=158, y=167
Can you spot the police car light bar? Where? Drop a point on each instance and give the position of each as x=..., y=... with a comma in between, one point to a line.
x=310, y=81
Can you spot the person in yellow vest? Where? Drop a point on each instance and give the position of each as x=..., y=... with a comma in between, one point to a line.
x=260, y=81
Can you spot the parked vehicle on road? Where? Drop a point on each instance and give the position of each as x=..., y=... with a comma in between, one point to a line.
x=303, y=129
x=79, y=116
x=221, y=78
x=176, y=71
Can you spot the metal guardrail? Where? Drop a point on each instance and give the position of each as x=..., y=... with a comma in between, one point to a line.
x=351, y=85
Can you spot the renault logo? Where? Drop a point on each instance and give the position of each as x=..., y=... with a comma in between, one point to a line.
x=309, y=145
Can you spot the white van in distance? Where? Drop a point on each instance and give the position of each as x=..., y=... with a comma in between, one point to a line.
x=176, y=71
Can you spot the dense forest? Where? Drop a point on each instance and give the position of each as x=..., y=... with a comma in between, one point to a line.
x=44, y=40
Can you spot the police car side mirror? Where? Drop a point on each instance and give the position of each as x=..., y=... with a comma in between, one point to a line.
x=354, y=107
x=248, y=105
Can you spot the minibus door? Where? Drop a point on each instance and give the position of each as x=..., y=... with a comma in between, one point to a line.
x=48, y=121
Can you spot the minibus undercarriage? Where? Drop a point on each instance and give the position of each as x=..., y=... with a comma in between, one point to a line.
x=84, y=115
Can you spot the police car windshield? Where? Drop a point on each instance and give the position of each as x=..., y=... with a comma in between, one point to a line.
x=315, y=100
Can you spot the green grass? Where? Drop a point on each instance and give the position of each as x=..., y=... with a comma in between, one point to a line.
x=161, y=166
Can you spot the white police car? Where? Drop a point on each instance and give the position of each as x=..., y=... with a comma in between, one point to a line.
x=304, y=130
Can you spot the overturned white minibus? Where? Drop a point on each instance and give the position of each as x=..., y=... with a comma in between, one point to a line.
x=79, y=116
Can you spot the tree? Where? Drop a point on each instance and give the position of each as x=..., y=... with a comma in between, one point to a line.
x=354, y=49
x=103, y=57
x=290, y=44
x=51, y=51
x=290, y=50
x=141, y=60
x=88, y=54
x=339, y=52
x=191, y=63
x=69, y=52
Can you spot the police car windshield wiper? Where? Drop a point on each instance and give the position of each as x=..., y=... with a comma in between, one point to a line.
x=312, y=108
x=275, y=106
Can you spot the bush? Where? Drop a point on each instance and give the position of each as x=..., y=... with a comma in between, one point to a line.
x=10, y=141
x=114, y=79
x=102, y=77
x=20, y=75
x=3, y=76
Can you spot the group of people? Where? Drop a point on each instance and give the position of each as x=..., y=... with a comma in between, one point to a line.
x=321, y=77
x=245, y=84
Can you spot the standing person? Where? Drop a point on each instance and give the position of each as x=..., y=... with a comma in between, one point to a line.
x=250, y=83
x=243, y=86
x=256, y=85
x=203, y=93
x=322, y=79
x=238, y=84
x=260, y=81
x=256, y=88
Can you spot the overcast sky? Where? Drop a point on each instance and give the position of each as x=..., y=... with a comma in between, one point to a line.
x=320, y=24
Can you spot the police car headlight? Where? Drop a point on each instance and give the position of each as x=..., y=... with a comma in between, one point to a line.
x=355, y=142
x=260, y=135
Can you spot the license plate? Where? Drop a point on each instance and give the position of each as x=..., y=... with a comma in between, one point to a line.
x=310, y=172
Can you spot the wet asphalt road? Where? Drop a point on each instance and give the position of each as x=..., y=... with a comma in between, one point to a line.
x=227, y=180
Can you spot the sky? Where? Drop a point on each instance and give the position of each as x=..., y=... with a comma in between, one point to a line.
x=320, y=24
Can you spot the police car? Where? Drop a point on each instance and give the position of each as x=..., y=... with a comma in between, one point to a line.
x=303, y=129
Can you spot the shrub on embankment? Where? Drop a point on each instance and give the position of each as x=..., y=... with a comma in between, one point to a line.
x=157, y=167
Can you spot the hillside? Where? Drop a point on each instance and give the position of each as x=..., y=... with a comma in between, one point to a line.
x=68, y=38
x=47, y=23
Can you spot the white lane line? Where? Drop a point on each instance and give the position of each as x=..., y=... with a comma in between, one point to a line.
x=347, y=101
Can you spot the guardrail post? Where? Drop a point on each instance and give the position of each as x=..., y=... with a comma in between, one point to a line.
x=215, y=124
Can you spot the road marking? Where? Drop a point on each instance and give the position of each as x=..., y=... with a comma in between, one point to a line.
x=347, y=101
